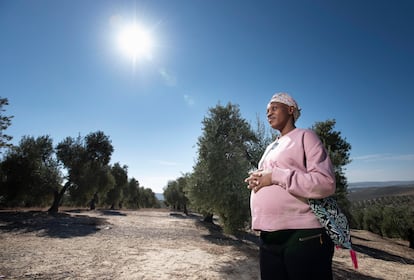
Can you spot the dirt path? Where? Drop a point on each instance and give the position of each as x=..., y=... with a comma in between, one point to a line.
x=157, y=244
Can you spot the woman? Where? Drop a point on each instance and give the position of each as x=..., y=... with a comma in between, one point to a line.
x=294, y=168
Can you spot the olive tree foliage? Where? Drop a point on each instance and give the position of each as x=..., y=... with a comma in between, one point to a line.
x=114, y=195
x=87, y=163
x=30, y=173
x=135, y=197
x=339, y=152
x=5, y=122
x=398, y=222
x=373, y=217
x=391, y=216
x=130, y=198
x=174, y=194
x=216, y=185
x=147, y=198
x=264, y=135
x=199, y=191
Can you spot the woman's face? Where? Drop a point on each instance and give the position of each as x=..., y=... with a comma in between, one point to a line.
x=278, y=115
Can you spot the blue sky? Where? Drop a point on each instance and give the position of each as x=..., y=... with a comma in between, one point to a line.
x=352, y=61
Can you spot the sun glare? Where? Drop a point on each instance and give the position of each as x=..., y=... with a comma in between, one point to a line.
x=135, y=42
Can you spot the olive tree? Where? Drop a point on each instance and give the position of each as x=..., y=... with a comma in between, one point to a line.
x=87, y=163
x=5, y=122
x=30, y=173
x=217, y=183
x=339, y=152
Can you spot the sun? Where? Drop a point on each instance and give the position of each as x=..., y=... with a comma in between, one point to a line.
x=135, y=42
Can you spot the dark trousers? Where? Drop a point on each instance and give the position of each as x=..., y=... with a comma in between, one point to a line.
x=296, y=254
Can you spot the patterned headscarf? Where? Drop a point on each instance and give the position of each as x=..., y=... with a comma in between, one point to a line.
x=285, y=98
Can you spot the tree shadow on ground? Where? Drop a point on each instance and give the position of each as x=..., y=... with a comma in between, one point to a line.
x=182, y=215
x=341, y=273
x=58, y=225
x=107, y=212
x=179, y=215
x=112, y=213
x=381, y=255
x=216, y=234
x=242, y=241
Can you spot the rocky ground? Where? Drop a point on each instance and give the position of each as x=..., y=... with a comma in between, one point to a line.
x=159, y=244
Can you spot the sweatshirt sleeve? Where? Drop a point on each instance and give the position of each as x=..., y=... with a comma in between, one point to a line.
x=313, y=176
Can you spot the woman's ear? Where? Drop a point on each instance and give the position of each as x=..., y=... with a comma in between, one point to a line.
x=291, y=110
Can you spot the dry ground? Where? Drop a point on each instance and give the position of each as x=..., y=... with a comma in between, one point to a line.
x=157, y=244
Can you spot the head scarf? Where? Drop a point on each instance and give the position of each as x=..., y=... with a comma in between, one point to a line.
x=285, y=98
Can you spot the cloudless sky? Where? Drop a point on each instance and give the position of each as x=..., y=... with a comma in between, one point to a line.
x=353, y=61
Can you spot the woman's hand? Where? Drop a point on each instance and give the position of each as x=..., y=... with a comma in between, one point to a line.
x=259, y=179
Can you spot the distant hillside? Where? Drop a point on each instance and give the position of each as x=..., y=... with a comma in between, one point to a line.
x=366, y=193
x=379, y=184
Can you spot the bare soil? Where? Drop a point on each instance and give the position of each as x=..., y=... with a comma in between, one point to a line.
x=159, y=244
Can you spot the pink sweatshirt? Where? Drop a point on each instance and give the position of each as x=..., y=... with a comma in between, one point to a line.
x=301, y=169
